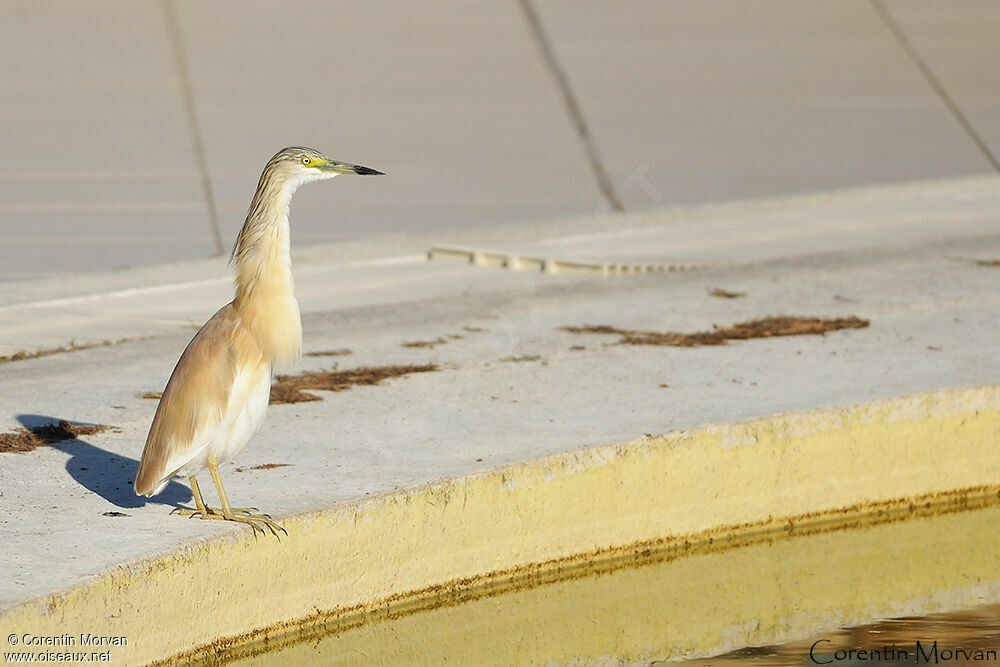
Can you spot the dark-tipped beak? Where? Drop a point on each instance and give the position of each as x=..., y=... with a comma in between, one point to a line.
x=345, y=168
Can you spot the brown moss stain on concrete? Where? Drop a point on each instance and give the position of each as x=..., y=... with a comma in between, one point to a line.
x=723, y=294
x=523, y=357
x=593, y=563
x=295, y=388
x=27, y=439
x=265, y=466
x=766, y=327
x=441, y=340
x=330, y=353
x=72, y=346
x=424, y=343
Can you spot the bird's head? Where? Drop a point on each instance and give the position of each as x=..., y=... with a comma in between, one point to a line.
x=297, y=165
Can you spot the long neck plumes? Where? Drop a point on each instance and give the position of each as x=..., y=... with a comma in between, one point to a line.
x=265, y=295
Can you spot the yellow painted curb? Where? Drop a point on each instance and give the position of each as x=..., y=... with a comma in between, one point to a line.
x=712, y=488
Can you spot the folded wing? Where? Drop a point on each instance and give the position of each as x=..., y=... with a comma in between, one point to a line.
x=195, y=406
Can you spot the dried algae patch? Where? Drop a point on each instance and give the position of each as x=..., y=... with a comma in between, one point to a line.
x=294, y=388
x=424, y=343
x=36, y=354
x=766, y=327
x=724, y=294
x=265, y=466
x=72, y=346
x=27, y=439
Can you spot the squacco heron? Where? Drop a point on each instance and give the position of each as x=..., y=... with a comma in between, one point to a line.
x=217, y=395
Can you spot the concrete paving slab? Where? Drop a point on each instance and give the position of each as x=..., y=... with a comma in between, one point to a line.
x=686, y=101
x=450, y=100
x=147, y=302
x=701, y=101
x=854, y=221
x=95, y=140
x=957, y=43
x=511, y=385
x=59, y=243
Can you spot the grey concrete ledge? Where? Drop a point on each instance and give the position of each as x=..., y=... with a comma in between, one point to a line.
x=513, y=385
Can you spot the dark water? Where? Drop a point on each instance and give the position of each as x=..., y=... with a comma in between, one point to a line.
x=967, y=637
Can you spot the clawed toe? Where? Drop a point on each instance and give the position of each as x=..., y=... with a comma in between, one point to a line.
x=184, y=511
x=257, y=522
x=248, y=511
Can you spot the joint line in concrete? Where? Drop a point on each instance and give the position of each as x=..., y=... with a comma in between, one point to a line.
x=934, y=82
x=604, y=183
x=187, y=96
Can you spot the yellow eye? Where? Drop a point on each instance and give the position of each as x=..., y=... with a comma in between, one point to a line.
x=306, y=161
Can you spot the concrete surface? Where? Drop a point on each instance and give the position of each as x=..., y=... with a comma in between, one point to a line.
x=73, y=122
x=160, y=115
x=512, y=386
x=957, y=49
x=719, y=100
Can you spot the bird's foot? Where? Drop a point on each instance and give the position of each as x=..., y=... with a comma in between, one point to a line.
x=237, y=514
x=246, y=511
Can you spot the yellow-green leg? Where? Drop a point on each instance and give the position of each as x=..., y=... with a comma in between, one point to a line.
x=198, y=501
x=229, y=514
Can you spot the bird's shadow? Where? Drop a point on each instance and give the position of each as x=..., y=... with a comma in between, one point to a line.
x=105, y=473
